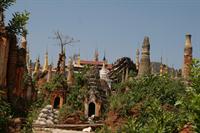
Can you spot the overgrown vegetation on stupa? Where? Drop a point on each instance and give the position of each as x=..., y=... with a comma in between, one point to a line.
x=155, y=104
x=143, y=104
x=15, y=26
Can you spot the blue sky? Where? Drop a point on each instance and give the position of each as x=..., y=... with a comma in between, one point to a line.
x=115, y=26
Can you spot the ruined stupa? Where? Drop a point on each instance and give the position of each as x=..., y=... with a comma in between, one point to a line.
x=145, y=65
x=187, y=57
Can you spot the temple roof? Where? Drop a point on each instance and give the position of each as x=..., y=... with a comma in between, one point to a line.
x=98, y=63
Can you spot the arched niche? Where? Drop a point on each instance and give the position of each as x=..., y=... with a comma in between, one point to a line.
x=91, y=109
x=56, y=103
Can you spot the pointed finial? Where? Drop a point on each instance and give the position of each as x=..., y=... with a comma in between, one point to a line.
x=37, y=63
x=188, y=43
x=137, y=51
x=146, y=41
x=104, y=56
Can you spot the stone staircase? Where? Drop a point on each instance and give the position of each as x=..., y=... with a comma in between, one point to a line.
x=47, y=116
x=47, y=122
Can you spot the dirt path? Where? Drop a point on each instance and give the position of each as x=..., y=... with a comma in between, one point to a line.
x=50, y=130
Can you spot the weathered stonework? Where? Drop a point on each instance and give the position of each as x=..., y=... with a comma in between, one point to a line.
x=57, y=98
x=49, y=75
x=4, y=51
x=19, y=85
x=88, y=103
x=97, y=93
x=145, y=65
x=20, y=72
x=120, y=69
x=12, y=65
x=70, y=74
x=187, y=57
x=36, y=71
x=61, y=64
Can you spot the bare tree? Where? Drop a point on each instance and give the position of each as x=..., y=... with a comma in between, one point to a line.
x=64, y=40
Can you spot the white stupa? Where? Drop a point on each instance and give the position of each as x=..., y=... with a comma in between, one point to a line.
x=104, y=73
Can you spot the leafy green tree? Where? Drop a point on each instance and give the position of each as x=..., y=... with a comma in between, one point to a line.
x=195, y=75
x=17, y=24
x=4, y=4
x=190, y=104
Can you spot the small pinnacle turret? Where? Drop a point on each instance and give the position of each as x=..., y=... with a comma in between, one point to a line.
x=49, y=76
x=188, y=42
x=29, y=67
x=79, y=60
x=96, y=55
x=161, y=67
x=104, y=71
x=70, y=75
x=45, y=67
x=145, y=65
x=187, y=57
x=37, y=67
x=137, y=59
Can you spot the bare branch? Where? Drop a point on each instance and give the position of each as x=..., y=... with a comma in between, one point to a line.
x=64, y=40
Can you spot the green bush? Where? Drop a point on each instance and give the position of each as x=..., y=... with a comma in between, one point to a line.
x=75, y=97
x=154, y=118
x=5, y=112
x=33, y=112
x=103, y=129
x=152, y=94
x=58, y=82
x=166, y=90
x=190, y=104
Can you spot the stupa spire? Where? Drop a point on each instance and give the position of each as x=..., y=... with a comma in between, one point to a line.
x=70, y=75
x=49, y=76
x=161, y=66
x=145, y=65
x=79, y=59
x=187, y=56
x=45, y=66
x=96, y=55
x=37, y=66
